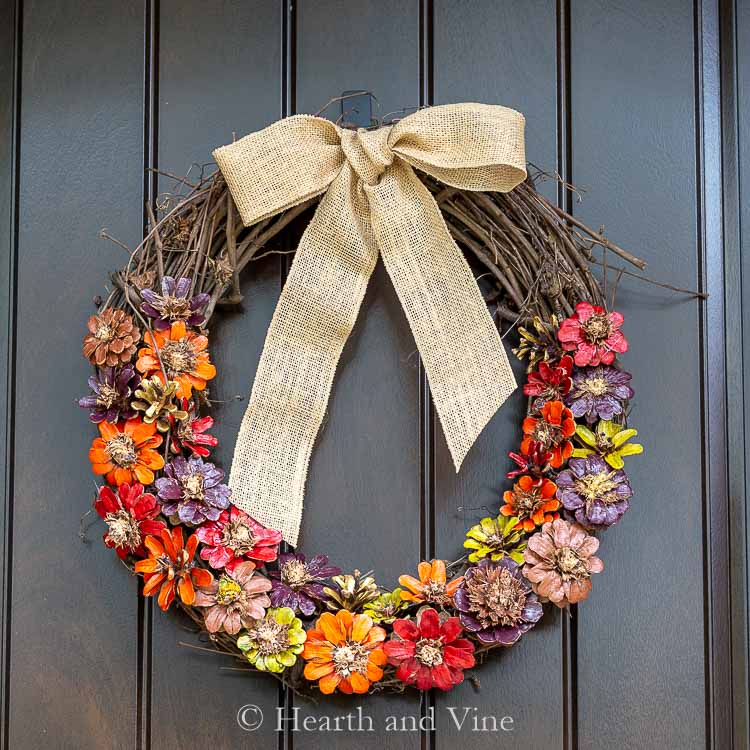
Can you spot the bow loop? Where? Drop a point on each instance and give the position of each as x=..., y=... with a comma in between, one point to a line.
x=468, y=146
x=281, y=166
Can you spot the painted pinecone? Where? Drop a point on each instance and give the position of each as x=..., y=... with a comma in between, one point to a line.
x=112, y=338
x=156, y=401
x=351, y=592
x=539, y=345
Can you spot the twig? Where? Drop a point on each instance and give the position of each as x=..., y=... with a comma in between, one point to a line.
x=653, y=282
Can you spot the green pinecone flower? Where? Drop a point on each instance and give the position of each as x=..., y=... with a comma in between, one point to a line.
x=386, y=607
x=494, y=538
x=156, y=401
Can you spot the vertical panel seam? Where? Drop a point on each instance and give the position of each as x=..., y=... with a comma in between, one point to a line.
x=711, y=92
x=734, y=373
x=742, y=609
x=12, y=291
x=426, y=408
x=698, y=41
x=568, y=620
x=150, y=191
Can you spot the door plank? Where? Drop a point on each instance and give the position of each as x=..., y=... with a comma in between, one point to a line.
x=482, y=54
x=641, y=634
x=8, y=152
x=362, y=503
x=73, y=680
x=219, y=75
x=741, y=220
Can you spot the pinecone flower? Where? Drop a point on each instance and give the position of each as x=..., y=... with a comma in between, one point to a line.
x=298, y=582
x=532, y=501
x=549, y=382
x=594, y=492
x=599, y=393
x=432, y=587
x=235, y=599
x=174, y=303
x=541, y=345
x=234, y=536
x=496, y=603
x=130, y=514
x=192, y=489
x=351, y=592
x=273, y=643
x=182, y=354
x=191, y=433
x=111, y=389
x=386, y=608
x=344, y=652
x=496, y=538
x=559, y=562
x=112, y=338
x=593, y=335
x=126, y=452
x=553, y=429
x=156, y=400
x=170, y=569
x=429, y=652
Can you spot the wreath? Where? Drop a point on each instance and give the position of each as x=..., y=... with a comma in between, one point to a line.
x=170, y=516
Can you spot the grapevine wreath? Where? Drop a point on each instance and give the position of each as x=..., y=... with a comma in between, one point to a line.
x=172, y=519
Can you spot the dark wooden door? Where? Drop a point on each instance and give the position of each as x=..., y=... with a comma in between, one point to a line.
x=635, y=102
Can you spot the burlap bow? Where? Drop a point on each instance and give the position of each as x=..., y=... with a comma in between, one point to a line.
x=374, y=204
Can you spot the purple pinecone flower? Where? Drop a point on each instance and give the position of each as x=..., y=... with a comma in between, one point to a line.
x=111, y=391
x=192, y=489
x=495, y=602
x=599, y=393
x=593, y=492
x=298, y=583
x=174, y=303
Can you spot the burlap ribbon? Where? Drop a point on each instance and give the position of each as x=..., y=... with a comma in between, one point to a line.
x=374, y=204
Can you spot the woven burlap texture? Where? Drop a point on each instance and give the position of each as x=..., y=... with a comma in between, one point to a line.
x=374, y=204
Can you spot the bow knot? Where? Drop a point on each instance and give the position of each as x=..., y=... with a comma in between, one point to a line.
x=374, y=206
x=367, y=152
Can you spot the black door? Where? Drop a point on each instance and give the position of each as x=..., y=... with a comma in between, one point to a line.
x=636, y=103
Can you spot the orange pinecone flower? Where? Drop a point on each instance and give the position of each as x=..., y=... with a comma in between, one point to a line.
x=552, y=431
x=432, y=586
x=184, y=355
x=532, y=501
x=344, y=652
x=169, y=568
x=125, y=452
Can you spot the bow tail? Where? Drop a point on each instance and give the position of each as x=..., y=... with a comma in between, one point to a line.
x=466, y=364
x=315, y=314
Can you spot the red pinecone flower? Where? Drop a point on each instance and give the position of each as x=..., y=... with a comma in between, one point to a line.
x=130, y=515
x=593, y=335
x=429, y=653
x=191, y=434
